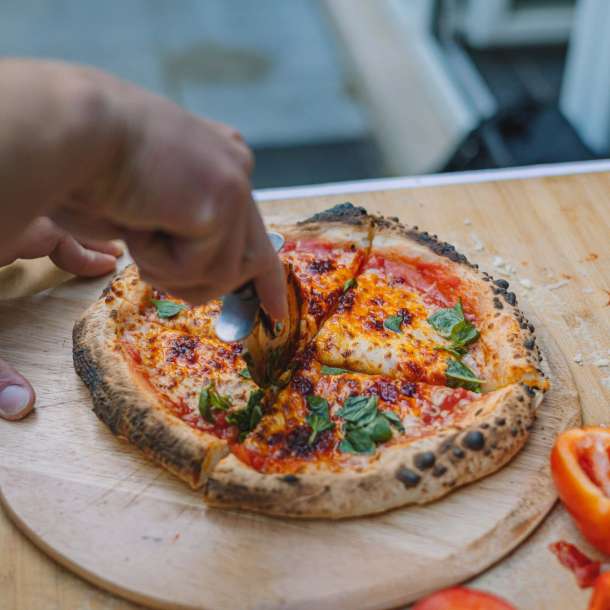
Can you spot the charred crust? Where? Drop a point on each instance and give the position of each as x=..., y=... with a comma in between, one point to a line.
x=291, y=479
x=498, y=303
x=439, y=470
x=424, y=460
x=441, y=248
x=511, y=298
x=134, y=422
x=457, y=453
x=529, y=343
x=501, y=284
x=343, y=212
x=500, y=421
x=474, y=440
x=409, y=478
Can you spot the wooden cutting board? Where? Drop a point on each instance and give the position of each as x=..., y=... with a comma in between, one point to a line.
x=99, y=508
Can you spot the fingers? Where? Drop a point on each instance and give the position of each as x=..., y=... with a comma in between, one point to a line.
x=73, y=257
x=17, y=396
x=112, y=247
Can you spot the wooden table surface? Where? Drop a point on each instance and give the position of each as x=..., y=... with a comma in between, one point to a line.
x=553, y=237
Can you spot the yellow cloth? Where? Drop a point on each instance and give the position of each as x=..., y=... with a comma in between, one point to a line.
x=24, y=278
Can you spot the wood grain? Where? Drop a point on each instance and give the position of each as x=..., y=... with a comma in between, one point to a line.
x=542, y=227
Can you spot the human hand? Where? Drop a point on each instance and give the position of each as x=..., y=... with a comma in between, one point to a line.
x=176, y=188
x=85, y=258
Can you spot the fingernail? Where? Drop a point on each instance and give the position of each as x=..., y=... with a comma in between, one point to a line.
x=13, y=400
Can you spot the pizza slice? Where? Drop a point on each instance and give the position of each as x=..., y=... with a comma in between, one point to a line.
x=416, y=314
x=326, y=253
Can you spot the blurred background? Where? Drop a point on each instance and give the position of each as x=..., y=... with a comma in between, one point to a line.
x=333, y=90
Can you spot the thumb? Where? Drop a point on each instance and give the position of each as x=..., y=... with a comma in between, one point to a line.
x=17, y=396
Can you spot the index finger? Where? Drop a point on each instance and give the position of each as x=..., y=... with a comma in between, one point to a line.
x=269, y=278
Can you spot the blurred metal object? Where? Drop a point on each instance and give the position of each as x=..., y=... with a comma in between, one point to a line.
x=240, y=308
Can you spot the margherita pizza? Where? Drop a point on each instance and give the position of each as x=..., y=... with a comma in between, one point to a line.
x=415, y=373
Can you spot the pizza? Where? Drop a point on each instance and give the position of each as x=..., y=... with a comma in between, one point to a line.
x=414, y=373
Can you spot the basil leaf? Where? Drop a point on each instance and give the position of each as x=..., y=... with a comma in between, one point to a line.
x=167, y=309
x=359, y=410
x=444, y=320
x=318, y=424
x=464, y=333
x=245, y=373
x=247, y=418
x=346, y=447
x=204, y=405
x=218, y=402
x=332, y=370
x=358, y=441
x=318, y=405
x=459, y=375
x=348, y=284
x=394, y=420
x=379, y=430
x=454, y=350
x=393, y=323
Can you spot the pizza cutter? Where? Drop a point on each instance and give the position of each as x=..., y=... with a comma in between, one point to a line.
x=268, y=343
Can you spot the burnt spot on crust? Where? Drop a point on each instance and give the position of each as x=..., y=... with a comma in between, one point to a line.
x=501, y=284
x=457, y=453
x=439, y=470
x=529, y=343
x=498, y=303
x=474, y=440
x=291, y=479
x=343, y=212
x=500, y=421
x=511, y=298
x=438, y=247
x=409, y=478
x=424, y=460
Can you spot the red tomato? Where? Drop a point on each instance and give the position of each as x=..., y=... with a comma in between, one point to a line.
x=461, y=598
x=601, y=593
x=580, y=463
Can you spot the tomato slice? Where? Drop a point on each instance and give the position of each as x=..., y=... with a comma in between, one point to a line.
x=601, y=594
x=580, y=463
x=462, y=598
x=585, y=569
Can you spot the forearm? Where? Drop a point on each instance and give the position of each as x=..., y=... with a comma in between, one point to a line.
x=55, y=133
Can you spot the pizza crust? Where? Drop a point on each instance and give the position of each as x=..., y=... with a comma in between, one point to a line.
x=126, y=404
x=415, y=473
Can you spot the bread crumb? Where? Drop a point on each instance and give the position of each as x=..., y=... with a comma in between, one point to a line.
x=478, y=244
x=557, y=285
x=526, y=283
x=467, y=221
x=578, y=358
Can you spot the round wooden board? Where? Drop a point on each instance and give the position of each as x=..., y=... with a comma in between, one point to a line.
x=98, y=507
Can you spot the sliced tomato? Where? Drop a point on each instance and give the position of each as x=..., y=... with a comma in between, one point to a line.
x=601, y=594
x=462, y=598
x=580, y=463
x=585, y=569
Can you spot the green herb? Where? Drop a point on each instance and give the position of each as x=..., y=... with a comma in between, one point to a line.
x=277, y=328
x=394, y=420
x=357, y=440
x=247, y=419
x=209, y=401
x=245, y=373
x=332, y=370
x=167, y=309
x=444, y=320
x=364, y=425
x=379, y=430
x=360, y=410
x=459, y=375
x=204, y=405
x=451, y=324
x=318, y=418
x=348, y=284
x=393, y=323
